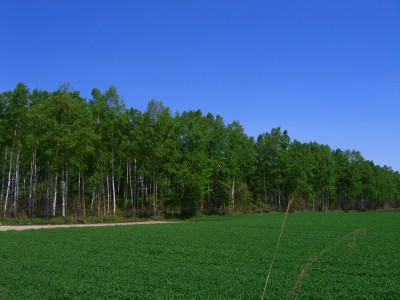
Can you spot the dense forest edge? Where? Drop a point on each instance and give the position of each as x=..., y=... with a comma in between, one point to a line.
x=66, y=156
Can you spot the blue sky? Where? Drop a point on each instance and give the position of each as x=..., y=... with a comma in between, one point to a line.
x=327, y=71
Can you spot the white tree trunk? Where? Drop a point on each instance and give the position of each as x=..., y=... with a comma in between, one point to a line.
x=108, y=195
x=63, y=193
x=113, y=191
x=31, y=187
x=8, y=185
x=93, y=198
x=265, y=194
x=154, y=194
x=48, y=192
x=233, y=194
x=279, y=200
x=131, y=189
x=126, y=186
x=4, y=178
x=16, y=186
x=34, y=183
x=53, y=208
x=113, y=182
x=79, y=189
x=83, y=195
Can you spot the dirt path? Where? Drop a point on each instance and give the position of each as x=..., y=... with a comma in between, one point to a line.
x=26, y=227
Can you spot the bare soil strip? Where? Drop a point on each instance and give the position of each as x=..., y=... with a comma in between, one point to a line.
x=47, y=226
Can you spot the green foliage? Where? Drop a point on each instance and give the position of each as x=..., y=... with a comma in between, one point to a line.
x=65, y=155
x=207, y=258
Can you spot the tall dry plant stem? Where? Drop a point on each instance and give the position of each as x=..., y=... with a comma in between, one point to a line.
x=351, y=238
x=277, y=246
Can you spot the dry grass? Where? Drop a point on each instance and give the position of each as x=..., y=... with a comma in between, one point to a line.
x=351, y=238
x=277, y=247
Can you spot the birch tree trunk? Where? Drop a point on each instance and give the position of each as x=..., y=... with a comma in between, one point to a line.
x=326, y=201
x=146, y=192
x=102, y=197
x=126, y=186
x=131, y=190
x=136, y=178
x=112, y=183
x=154, y=194
x=279, y=200
x=93, y=198
x=63, y=193
x=53, y=207
x=16, y=186
x=79, y=191
x=108, y=195
x=31, y=186
x=8, y=186
x=265, y=193
x=209, y=199
x=233, y=194
x=34, y=185
x=48, y=192
x=83, y=195
x=4, y=177
x=113, y=189
x=66, y=191
x=141, y=188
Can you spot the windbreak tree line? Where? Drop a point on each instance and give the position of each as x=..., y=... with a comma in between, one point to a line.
x=63, y=155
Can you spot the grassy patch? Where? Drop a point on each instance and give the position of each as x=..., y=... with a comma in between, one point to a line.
x=212, y=257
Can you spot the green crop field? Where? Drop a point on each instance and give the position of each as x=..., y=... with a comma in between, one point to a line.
x=321, y=256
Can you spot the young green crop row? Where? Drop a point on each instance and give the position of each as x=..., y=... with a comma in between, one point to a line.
x=208, y=258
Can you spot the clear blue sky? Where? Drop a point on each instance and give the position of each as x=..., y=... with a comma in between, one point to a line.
x=327, y=71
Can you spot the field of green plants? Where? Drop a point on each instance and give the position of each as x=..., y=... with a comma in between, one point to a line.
x=331, y=255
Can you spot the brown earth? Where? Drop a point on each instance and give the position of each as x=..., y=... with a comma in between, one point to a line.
x=47, y=226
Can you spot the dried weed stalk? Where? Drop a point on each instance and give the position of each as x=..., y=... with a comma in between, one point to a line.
x=277, y=246
x=351, y=238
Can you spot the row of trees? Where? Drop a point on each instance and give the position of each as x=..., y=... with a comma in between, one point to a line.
x=64, y=155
